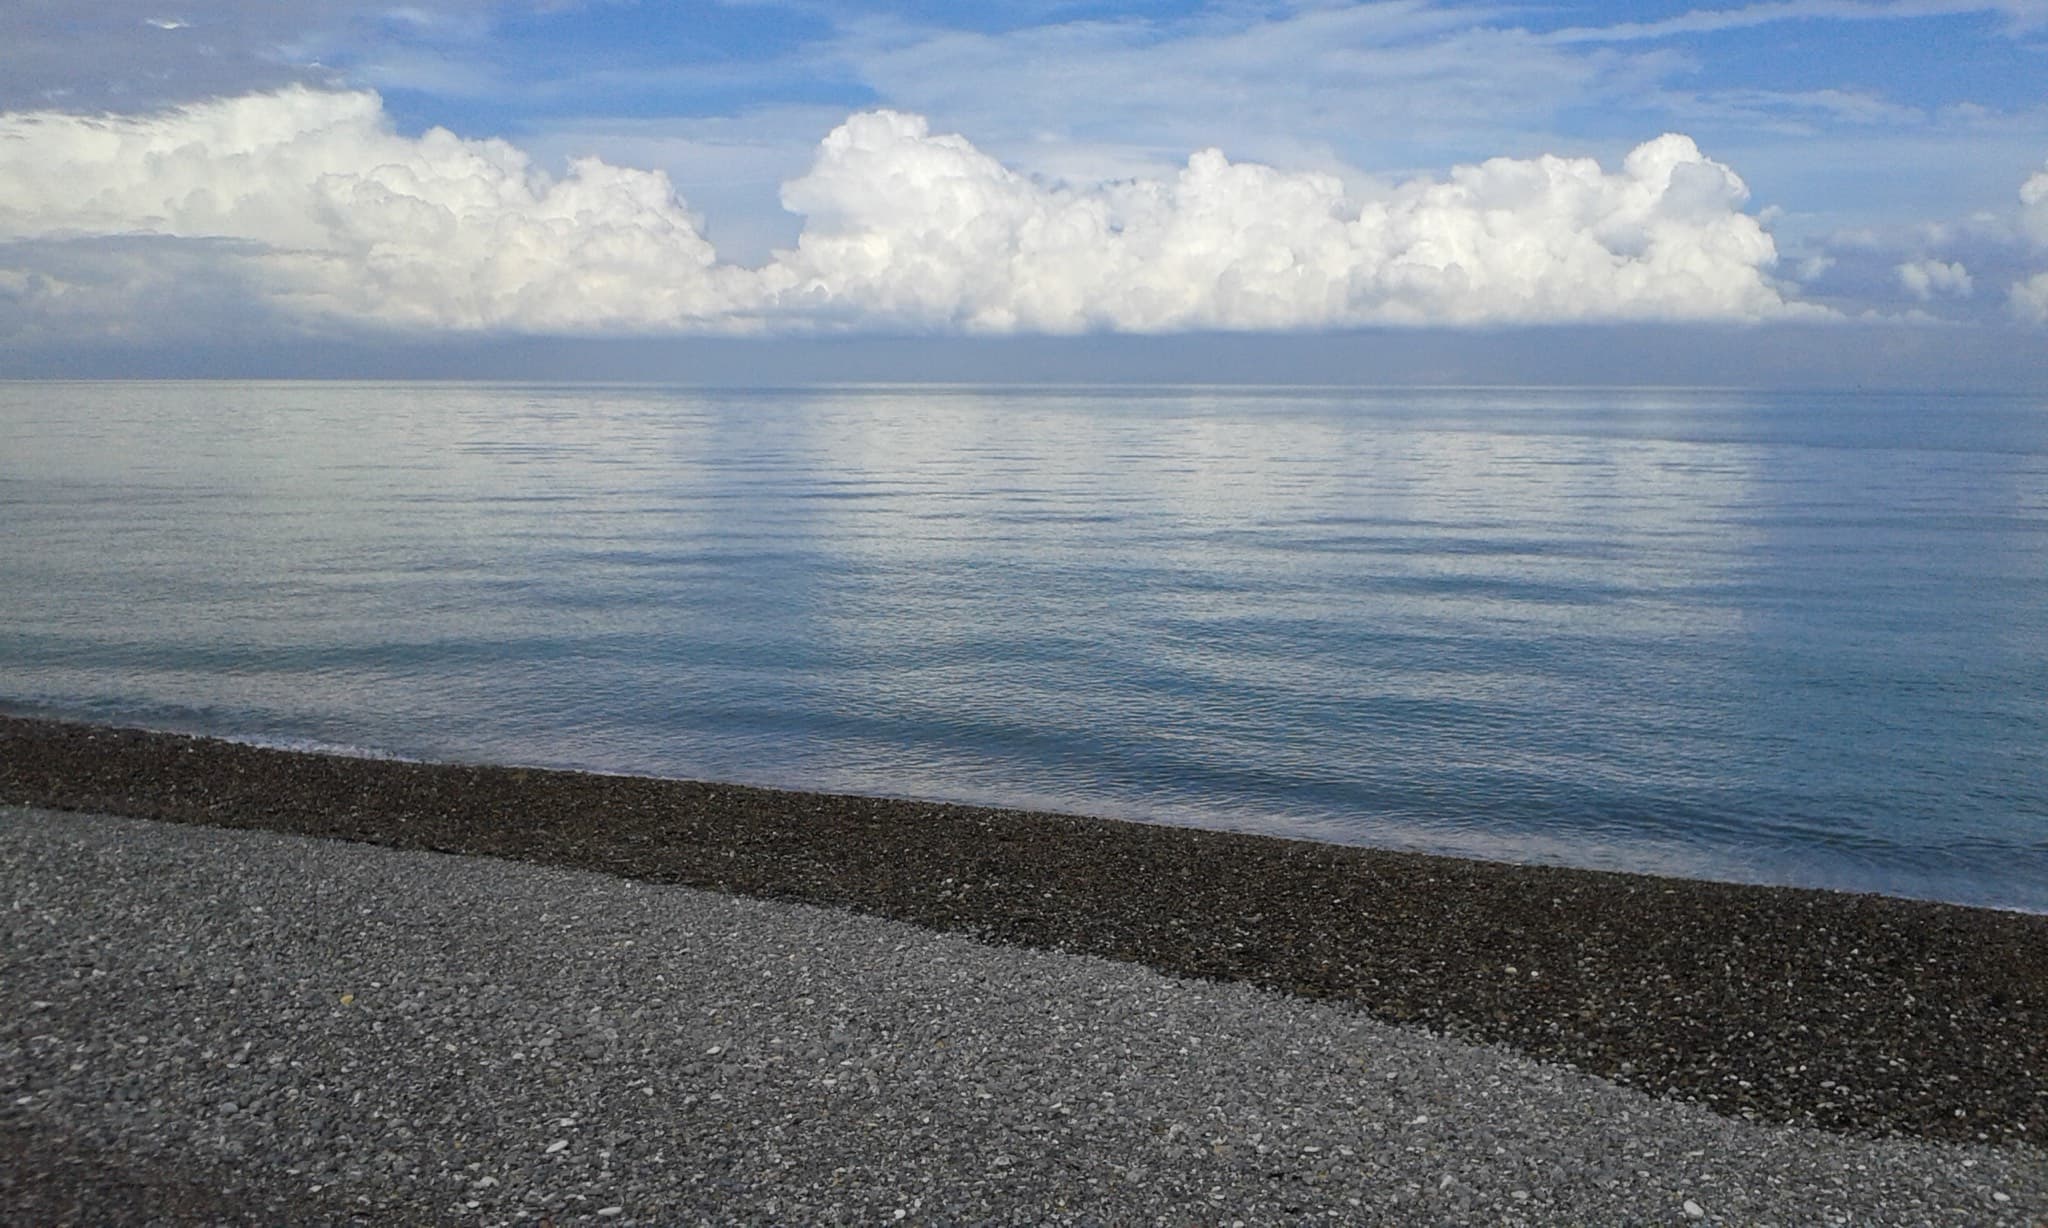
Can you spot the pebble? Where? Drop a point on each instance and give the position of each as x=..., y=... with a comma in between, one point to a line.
x=1071, y=1068
x=1881, y=1015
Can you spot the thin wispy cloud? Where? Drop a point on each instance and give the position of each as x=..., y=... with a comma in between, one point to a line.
x=1368, y=86
x=2020, y=17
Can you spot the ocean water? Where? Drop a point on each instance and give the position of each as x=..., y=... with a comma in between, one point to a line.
x=1788, y=638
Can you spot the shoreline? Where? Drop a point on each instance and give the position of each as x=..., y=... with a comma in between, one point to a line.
x=1265, y=826
x=1861, y=1014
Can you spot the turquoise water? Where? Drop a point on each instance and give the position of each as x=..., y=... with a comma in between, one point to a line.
x=1788, y=638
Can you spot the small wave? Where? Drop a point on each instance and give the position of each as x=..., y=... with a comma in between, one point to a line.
x=316, y=746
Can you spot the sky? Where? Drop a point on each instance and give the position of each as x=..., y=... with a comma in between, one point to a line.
x=1790, y=192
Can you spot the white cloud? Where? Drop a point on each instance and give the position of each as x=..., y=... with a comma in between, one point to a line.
x=731, y=169
x=1382, y=86
x=1813, y=267
x=1402, y=88
x=351, y=221
x=2021, y=17
x=1392, y=88
x=2030, y=299
x=320, y=208
x=2034, y=208
x=926, y=227
x=1924, y=279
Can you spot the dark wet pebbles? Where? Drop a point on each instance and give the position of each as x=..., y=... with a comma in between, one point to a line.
x=1855, y=1013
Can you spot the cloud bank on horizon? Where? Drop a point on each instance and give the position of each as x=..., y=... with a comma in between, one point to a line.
x=317, y=206
x=625, y=168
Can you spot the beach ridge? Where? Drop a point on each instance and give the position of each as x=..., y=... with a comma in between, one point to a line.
x=1860, y=1014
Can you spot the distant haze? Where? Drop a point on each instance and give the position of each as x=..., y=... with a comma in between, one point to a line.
x=1843, y=356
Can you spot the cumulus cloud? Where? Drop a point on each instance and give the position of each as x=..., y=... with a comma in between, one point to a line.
x=1924, y=279
x=327, y=213
x=2034, y=208
x=907, y=223
x=2029, y=298
x=347, y=219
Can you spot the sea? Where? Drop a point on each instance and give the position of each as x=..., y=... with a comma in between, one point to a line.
x=1772, y=637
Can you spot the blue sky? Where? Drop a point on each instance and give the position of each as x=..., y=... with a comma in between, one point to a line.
x=1851, y=165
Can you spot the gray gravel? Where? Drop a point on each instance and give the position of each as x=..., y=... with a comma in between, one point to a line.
x=215, y=1025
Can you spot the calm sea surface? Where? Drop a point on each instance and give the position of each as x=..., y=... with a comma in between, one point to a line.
x=1791, y=638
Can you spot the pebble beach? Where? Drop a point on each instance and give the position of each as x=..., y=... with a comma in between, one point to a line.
x=270, y=993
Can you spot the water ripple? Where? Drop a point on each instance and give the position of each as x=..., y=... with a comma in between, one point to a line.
x=1763, y=637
